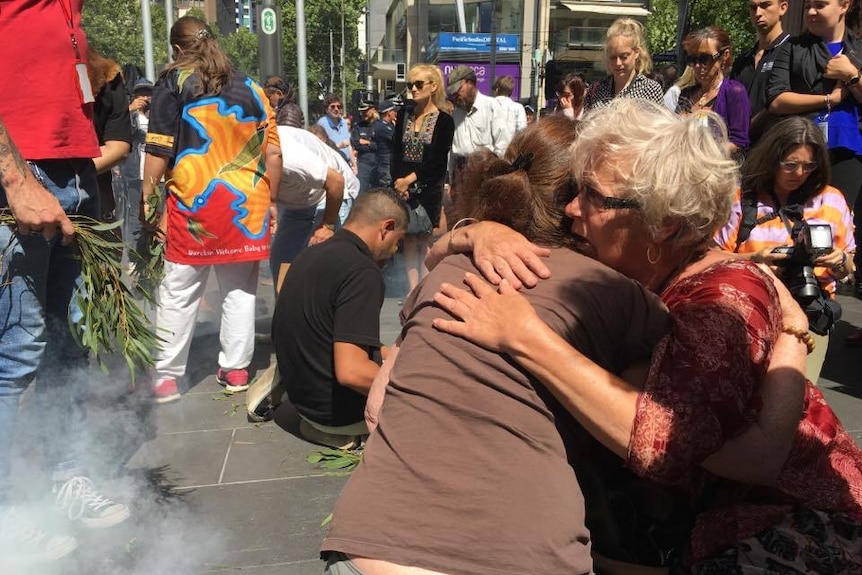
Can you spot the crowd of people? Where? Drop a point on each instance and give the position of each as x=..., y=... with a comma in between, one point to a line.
x=650, y=287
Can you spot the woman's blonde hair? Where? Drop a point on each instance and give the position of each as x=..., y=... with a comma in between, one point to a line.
x=432, y=72
x=677, y=168
x=199, y=51
x=633, y=31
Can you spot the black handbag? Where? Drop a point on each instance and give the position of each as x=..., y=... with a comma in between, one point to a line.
x=420, y=221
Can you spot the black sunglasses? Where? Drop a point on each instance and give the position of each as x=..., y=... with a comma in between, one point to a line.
x=704, y=59
x=418, y=83
x=602, y=201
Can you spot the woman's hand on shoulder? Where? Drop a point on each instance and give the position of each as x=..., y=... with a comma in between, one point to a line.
x=494, y=318
x=502, y=253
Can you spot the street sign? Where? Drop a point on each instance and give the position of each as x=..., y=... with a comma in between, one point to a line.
x=268, y=21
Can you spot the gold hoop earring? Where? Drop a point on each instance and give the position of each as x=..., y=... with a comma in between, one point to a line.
x=649, y=255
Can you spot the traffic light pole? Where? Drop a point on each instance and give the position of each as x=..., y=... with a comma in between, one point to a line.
x=269, y=39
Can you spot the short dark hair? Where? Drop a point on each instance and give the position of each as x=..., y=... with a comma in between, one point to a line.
x=761, y=164
x=331, y=99
x=378, y=204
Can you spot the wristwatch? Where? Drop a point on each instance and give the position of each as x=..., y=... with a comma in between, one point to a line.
x=330, y=227
x=855, y=79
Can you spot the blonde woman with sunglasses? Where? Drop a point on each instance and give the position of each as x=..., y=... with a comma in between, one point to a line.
x=422, y=140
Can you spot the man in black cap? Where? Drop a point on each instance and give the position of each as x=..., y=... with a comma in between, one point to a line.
x=480, y=121
x=363, y=141
x=384, y=131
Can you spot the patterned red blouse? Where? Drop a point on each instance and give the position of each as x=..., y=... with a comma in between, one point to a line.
x=703, y=390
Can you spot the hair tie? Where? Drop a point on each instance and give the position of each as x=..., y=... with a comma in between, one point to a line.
x=203, y=33
x=522, y=162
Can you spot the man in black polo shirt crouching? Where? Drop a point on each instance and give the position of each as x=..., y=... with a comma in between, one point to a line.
x=326, y=327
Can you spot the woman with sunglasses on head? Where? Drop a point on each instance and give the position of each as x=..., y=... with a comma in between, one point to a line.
x=708, y=53
x=422, y=140
x=785, y=179
x=817, y=75
x=769, y=471
x=629, y=62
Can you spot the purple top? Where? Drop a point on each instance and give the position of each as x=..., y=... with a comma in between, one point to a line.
x=732, y=104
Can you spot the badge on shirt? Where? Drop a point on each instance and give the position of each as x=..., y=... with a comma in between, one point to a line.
x=84, y=83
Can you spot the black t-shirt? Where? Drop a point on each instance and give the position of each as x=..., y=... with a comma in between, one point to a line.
x=756, y=79
x=112, y=122
x=332, y=292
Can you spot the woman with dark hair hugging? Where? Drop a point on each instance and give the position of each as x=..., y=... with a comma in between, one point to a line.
x=467, y=471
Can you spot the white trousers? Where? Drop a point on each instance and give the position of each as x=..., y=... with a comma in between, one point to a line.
x=180, y=294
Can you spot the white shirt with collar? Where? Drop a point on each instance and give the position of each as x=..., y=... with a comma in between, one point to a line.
x=517, y=116
x=485, y=125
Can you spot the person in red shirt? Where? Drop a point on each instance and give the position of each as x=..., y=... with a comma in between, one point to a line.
x=47, y=146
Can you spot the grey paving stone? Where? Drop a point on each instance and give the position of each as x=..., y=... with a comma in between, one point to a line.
x=200, y=411
x=267, y=452
x=267, y=523
x=187, y=459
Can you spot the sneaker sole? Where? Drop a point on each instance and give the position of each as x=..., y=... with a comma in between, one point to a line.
x=167, y=398
x=264, y=394
x=51, y=555
x=106, y=522
x=235, y=388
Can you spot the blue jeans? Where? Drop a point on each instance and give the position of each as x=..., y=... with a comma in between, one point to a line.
x=294, y=229
x=38, y=284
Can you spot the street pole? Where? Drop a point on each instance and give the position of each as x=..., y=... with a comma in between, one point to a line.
x=269, y=39
x=147, y=24
x=169, y=19
x=331, y=65
x=493, y=63
x=301, y=71
x=343, y=79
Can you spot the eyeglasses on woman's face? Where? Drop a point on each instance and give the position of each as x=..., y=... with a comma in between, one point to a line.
x=703, y=59
x=418, y=84
x=595, y=198
x=791, y=166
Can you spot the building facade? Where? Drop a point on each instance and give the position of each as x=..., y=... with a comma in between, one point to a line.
x=534, y=42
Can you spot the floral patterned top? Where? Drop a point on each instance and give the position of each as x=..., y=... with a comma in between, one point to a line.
x=702, y=390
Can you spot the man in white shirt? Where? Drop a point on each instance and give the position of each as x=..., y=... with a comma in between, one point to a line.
x=503, y=88
x=480, y=121
x=315, y=182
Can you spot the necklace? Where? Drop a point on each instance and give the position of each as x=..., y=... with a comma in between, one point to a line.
x=705, y=99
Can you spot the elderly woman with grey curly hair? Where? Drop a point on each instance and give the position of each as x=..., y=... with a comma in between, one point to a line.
x=651, y=215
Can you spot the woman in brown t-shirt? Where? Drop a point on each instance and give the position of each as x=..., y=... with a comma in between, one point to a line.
x=467, y=472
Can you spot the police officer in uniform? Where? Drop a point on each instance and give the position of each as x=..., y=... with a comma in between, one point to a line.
x=384, y=130
x=364, y=142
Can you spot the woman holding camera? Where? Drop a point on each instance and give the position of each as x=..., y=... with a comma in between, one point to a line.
x=785, y=181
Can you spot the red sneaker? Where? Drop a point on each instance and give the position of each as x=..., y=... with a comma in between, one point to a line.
x=165, y=390
x=233, y=380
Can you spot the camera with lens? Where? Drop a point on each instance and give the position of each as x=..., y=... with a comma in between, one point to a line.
x=810, y=241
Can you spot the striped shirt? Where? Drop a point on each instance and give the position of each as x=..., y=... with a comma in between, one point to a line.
x=827, y=207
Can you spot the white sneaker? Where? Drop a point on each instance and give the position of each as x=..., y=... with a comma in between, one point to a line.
x=22, y=544
x=79, y=498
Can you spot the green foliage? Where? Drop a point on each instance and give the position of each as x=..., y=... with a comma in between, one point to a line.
x=337, y=462
x=112, y=320
x=115, y=29
x=731, y=15
x=321, y=16
x=242, y=49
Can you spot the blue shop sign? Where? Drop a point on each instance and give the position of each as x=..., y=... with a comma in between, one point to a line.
x=479, y=42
